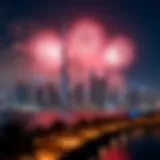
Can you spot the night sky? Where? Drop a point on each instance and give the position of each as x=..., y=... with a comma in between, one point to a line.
x=137, y=19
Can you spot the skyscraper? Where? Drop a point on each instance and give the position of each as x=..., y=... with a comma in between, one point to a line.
x=40, y=96
x=52, y=95
x=22, y=92
x=98, y=90
x=79, y=93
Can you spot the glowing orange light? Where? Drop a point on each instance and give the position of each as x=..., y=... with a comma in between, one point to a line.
x=45, y=155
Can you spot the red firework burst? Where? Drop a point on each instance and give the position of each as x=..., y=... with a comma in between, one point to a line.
x=46, y=48
x=119, y=54
x=86, y=39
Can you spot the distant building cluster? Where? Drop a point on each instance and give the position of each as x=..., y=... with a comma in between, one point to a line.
x=98, y=94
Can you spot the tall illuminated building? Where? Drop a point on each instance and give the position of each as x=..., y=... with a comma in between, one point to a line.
x=22, y=92
x=98, y=90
